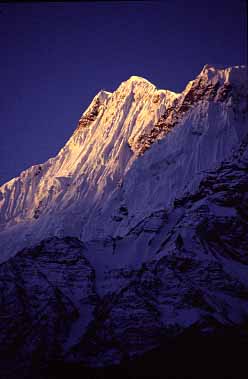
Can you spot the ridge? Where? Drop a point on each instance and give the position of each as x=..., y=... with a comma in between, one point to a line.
x=122, y=140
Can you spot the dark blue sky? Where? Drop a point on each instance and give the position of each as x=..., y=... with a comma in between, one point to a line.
x=56, y=56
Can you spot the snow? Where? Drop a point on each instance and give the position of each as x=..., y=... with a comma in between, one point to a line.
x=79, y=192
x=235, y=74
x=148, y=271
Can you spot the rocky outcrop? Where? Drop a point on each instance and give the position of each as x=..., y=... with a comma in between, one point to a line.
x=203, y=88
x=163, y=299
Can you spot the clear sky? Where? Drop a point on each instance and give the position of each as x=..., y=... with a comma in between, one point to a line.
x=54, y=58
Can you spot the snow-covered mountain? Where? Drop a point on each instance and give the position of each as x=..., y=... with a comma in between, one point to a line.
x=178, y=269
x=132, y=153
x=135, y=232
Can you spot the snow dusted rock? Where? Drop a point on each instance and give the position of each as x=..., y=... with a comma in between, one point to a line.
x=226, y=85
x=47, y=296
x=206, y=132
x=164, y=298
x=83, y=191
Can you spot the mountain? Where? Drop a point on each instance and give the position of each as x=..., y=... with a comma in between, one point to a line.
x=61, y=305
x=134, y=234
x=132, y=153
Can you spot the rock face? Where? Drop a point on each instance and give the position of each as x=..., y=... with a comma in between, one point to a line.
x=135, y=149
x=211, y=85
x=177, y=269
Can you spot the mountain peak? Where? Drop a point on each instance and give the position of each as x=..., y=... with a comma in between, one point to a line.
x=135, y=78
x=102, y=160
x=103, y=93
x=233, y=74
x=101, y=96
x=138, y=80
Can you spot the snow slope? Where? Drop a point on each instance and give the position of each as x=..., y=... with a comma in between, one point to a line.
x=132, y=153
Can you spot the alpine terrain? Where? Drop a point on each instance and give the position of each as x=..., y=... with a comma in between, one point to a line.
x=134, y=234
